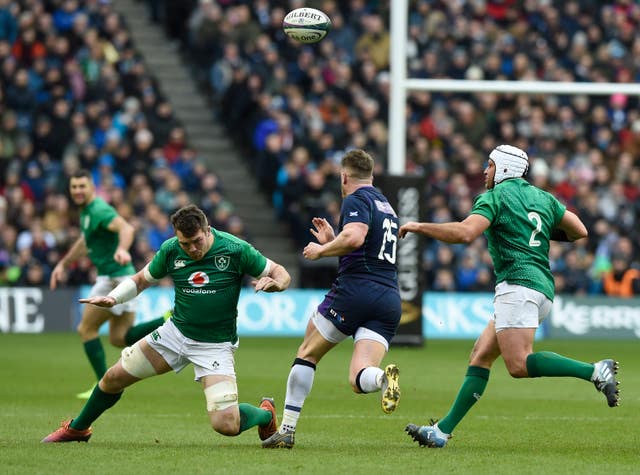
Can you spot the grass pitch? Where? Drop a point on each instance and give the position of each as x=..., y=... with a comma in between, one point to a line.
x=546, y=425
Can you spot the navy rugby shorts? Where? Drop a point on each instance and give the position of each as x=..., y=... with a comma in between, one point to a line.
x=354, y=303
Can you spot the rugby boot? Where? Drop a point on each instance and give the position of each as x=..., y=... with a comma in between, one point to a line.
x=65, y=433
x=604, y=379
x=264, y=432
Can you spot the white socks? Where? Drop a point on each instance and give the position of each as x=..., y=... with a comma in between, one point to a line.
x=299, y=386
x=371, y=379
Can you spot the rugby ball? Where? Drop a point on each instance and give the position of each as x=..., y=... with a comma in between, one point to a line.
x=306, y=25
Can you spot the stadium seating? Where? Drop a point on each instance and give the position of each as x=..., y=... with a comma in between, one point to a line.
x=293, y=109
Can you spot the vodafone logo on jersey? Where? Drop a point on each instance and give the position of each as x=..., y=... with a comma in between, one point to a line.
x=198, y=279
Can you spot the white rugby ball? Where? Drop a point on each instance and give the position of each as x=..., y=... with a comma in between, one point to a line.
x=307, y=25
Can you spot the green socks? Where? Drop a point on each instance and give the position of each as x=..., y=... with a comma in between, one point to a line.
x=95, y=406
x=472, y=388
x=542, y=363
x=547, y=363
x=141, y=330
x=95, y=353
x=252, y=416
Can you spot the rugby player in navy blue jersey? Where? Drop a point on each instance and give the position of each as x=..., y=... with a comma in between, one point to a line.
x=363, y=301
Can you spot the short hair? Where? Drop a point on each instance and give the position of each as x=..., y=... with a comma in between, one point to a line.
x=359, y=163
x=189, y=220
x=82, y=173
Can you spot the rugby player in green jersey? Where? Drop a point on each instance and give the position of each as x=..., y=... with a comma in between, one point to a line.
x=106, y=238
x=207, y=267
x=518, y=220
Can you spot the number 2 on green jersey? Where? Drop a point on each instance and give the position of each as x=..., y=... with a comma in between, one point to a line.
x=535, y=217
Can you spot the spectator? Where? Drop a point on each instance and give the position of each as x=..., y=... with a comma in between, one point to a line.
x=77, y=94
x=8, y=24
x=622, y=280
x=160, y=228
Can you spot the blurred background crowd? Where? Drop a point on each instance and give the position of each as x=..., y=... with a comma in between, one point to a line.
x=75, y=93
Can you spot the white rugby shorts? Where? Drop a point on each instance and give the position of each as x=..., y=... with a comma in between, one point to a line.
x=178, y=351
x=104, y=285
x=516, y=306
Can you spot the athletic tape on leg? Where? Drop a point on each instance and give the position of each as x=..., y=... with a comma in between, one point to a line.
x=136, y=363
x=221, y=395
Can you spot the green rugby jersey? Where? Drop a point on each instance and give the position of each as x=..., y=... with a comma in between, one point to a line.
x=102, y=243
x=522, y=219
x=207, y=290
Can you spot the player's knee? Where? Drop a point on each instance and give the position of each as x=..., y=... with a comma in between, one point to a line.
x=221, y=398
x=85, y=330
x=111, y=382
x=117, y=341
x=517, y=369
x=225, y=423
x=303, y=352
x=135, y=362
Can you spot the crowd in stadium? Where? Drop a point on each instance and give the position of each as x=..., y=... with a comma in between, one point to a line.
x=76, y=94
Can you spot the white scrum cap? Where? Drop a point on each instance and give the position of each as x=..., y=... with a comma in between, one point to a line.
x=511, y=162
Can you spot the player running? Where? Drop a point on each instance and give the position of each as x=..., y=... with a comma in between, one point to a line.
x=519, y=220
x=364, y=301
x=106, y=238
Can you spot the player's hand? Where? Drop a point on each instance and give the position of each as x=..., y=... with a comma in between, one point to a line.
x=410, y=227
x=312, y=251
x=122, y=256
x=100, y=301
x=323, y=231
x=56, y=275
x=266, y=284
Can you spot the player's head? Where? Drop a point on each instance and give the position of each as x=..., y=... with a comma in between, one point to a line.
x=82, y=188
x=357, y=169
x=509, y=161
x=192, y=230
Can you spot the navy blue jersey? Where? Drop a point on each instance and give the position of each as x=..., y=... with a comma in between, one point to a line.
x=376, y=258
x=365, y=293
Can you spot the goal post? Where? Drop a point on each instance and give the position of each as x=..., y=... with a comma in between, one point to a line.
x=400, y=85
x=406, y=190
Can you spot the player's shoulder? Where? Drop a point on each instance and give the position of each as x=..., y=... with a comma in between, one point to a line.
x=98, y=204
x=170, y=245
x=99, y=211
x=486, y=195
x=367, y=194
x=537, y=193
x=229, y=241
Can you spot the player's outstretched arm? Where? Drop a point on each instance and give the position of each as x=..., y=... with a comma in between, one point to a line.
x=277, y=280
x=462, y=232
x=100, y=301
x=126, y=290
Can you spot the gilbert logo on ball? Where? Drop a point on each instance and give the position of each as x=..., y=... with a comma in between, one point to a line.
x=306, y=25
